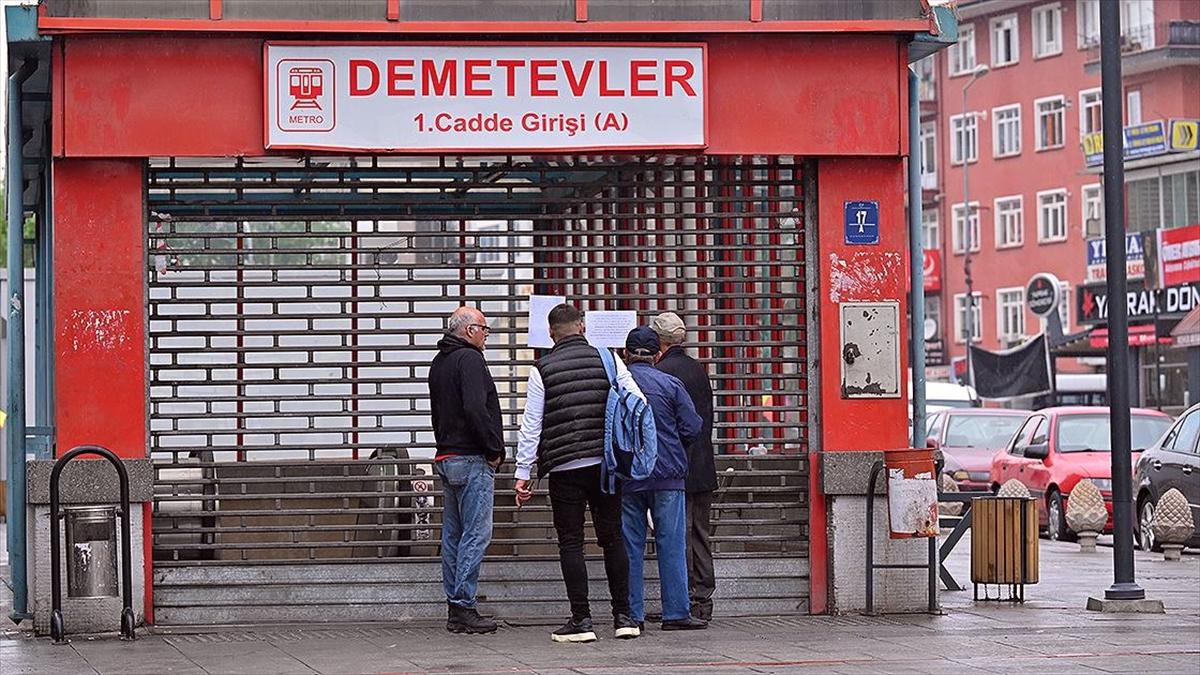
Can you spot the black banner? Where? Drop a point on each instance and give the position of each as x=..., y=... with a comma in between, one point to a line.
x=1020, y=371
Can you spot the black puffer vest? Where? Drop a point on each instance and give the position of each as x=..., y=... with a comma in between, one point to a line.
x=576, y=396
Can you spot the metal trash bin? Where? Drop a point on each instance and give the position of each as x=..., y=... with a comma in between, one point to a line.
x=92, y=542
x=1004, y=544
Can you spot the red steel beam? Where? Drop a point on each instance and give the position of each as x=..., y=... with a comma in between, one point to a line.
x=52, y=25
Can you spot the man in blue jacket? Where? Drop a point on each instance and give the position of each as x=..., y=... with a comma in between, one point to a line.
x=662, y=494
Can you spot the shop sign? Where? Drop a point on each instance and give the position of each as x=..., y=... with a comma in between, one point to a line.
x=447, y=97
x=1042, y=294
x=1145, y=140
x=1185, y=135
x=935, y=352
x=1097, y=258
x=933, y=270
x=1179, y=255
x=1092, y=304
x=1139, y=336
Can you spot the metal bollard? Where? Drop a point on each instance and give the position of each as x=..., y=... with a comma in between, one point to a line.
x=57, y=626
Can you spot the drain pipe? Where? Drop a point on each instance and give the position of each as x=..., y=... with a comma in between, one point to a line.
x=916, y=254
x=15, y=426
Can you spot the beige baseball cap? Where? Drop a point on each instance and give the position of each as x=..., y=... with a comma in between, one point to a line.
x=668, y=323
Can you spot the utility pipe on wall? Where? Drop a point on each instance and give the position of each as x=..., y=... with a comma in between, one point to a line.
x=15, y=426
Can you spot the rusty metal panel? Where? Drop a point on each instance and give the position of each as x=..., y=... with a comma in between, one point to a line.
x=294, y=305
x=129, y=9
x=793, y=10
x=668, y=10
x=342, y=10
x=494, y=10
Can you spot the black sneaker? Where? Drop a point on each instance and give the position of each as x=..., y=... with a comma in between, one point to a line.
x=626, y=628
x=575, y=630
x=468, y=620
x=689, y=623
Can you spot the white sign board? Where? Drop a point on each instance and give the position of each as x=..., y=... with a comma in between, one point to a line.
x=539, y=325
x=609, y=329
x=444, y=97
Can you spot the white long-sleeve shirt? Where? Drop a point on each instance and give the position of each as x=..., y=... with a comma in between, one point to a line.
x=531, y=421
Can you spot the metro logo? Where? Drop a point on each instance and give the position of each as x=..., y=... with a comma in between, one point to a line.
x=304, y=97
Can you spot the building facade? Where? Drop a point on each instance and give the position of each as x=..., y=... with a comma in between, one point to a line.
x=1010, y=129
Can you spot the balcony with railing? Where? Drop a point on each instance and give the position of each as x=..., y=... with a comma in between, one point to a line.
x=1150, y=47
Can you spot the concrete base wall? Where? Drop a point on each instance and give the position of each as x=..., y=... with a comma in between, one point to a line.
x=895, y=590
x=81, y=615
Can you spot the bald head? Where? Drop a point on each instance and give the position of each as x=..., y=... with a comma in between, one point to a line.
x=469, y=324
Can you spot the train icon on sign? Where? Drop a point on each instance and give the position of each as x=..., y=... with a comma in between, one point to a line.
x=304, y=95
x=306, y=85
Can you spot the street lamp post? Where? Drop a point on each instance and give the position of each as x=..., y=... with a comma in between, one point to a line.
x=969, y=325
x=1124, y=586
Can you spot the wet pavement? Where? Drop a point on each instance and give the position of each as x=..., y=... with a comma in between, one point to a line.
x=1051, y=632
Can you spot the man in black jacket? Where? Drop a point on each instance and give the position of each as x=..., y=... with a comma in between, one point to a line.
x=470, y=446
x=702, y=474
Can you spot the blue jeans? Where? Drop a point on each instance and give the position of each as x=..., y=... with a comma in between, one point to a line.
x=668, y=508
x=468, y=484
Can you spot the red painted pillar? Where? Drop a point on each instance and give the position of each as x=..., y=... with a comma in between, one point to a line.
x=100, y=312
x=849, y=273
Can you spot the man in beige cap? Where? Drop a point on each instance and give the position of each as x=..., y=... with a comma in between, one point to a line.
x=702, y=474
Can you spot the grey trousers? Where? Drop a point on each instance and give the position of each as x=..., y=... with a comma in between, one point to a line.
x=701, y=577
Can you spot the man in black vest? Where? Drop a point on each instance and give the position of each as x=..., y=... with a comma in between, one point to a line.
x=702, y=474
x=563, y=431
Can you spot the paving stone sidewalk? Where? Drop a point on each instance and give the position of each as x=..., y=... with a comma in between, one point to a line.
x=1051, y=633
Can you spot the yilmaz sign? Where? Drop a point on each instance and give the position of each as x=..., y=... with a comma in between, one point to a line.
x=469, y=97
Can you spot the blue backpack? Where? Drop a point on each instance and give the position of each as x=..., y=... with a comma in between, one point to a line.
x=630, y=438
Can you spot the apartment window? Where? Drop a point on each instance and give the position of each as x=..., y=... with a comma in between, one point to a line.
x=1049, y=122
x=964, y=138
x=1087, y=15
x=1010, y=314
x=933, y=310
x=1133, y=107
x=1047, y=30
x=929, y=155
x=961, y=320
x=1052, y=215
x=1006, y=48
x=961, y=55
x=931, y=230
x=1166, y=201
x=1006, y=131
x=1137, y=25
x=1091, y=119
x=965, y=229
x=1010, y=221
x=926, y=82
x=1093, y=210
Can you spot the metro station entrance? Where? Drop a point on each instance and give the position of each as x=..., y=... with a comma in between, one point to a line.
x=294, y=305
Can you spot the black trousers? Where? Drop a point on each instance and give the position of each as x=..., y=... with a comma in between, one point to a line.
x=572, y=494
x=702, y=580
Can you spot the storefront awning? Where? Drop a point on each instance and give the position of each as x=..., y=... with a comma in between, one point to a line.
x=1187, y=332
x=1139, y=336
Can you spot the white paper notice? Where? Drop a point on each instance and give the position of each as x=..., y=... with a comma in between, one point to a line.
x=539, y=326
x=609, y=329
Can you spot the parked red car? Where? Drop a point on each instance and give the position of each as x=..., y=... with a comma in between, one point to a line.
x=1057, y=447
x=969, y=438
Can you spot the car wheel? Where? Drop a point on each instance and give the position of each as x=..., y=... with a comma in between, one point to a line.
x=1056, y=517
x=1145, y=531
